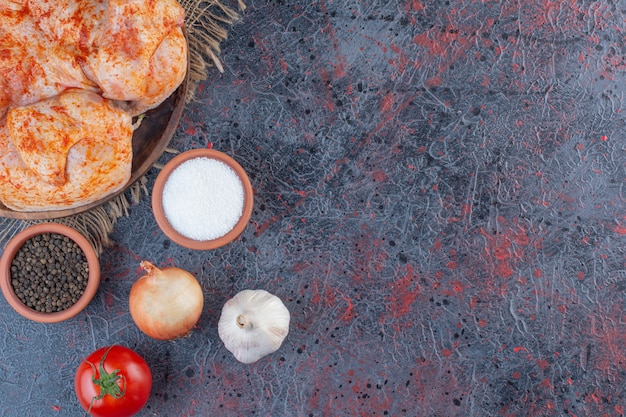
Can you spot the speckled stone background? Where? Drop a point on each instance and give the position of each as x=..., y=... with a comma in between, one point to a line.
x=439, y=202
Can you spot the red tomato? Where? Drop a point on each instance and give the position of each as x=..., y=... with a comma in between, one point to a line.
x=113, y=381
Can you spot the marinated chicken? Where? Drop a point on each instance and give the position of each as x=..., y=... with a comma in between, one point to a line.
x=64, y=151
x=73, y=73
x=41, y=48
x=137, y=56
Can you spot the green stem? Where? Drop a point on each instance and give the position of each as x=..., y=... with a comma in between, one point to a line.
x=108, y=382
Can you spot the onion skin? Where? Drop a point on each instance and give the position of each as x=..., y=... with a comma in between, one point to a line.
x=165, y=303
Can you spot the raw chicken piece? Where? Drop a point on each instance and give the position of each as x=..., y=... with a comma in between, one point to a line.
x=141, y=54
x=168, y=67
x=40, y=49
x=96, y=159
x=62, y=145
x=72, y=23
x=130, y=50
x=44, y=132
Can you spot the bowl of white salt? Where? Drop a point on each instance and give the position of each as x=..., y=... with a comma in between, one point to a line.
x=202, y=199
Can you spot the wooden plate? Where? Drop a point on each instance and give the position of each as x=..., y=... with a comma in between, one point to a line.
x=149, y=142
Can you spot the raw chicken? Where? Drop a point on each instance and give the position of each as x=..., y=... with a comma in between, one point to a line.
x=72, y=75
x=140, y=55
x=44, y=132
x=132, y=51
x=64, y=152
x=40, y=49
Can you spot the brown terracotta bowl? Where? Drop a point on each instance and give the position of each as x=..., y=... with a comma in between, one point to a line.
x=5, y=272
x=173, y=234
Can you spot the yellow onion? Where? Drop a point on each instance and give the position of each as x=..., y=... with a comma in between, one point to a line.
x=165, y=303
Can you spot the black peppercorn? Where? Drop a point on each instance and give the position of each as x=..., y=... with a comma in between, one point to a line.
x=49, y=272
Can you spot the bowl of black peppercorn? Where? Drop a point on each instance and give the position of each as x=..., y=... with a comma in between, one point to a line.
x=49, y=272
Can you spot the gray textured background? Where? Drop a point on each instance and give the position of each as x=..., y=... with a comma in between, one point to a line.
x=439, y=202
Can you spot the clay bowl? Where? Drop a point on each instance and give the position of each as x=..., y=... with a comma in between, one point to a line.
x=173, y=234
x=5, y=272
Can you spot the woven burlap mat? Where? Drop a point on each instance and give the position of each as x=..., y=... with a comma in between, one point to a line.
x=207, y=24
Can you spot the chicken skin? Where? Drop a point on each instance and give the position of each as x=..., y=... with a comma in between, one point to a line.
x=64, y=151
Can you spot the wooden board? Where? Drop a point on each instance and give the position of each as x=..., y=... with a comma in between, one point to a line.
x=149, y=142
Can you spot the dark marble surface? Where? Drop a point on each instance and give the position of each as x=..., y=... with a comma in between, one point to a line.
x=439, y=202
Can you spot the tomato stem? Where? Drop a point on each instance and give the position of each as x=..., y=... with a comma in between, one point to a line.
x=107, y=382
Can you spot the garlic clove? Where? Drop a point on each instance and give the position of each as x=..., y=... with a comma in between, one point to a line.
x=253, y=324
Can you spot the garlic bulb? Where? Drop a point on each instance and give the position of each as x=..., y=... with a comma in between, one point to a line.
x=253, y=324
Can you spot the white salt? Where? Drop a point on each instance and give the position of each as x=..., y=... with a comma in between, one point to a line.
x=203, y=199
